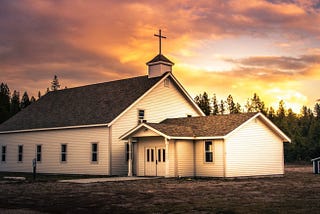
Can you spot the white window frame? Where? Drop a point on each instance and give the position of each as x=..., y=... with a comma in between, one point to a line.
x=166, y=82
x=211, y=150
x=96, y=153
x=140, y=118
x=39, y=154
x=4, y=153
x=20, y=154
x=64, y=153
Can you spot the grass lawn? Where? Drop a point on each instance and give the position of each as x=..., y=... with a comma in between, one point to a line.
x=297, y=192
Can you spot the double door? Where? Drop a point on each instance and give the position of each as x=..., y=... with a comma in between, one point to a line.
x=155, y=161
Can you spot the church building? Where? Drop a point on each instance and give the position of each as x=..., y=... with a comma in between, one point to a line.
x=141, y=126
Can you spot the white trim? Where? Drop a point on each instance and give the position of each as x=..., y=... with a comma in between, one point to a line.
x=187, y=95
x=127, y=134
x=146, y=93
x=284, y=137
x=130, y=132
x=54, y=128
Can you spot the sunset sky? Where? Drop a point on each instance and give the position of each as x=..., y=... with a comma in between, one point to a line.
x=227, y=47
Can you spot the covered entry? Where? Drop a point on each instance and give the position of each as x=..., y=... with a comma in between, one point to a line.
x=154, y=161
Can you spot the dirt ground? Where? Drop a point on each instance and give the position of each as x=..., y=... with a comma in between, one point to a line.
x=297, y=192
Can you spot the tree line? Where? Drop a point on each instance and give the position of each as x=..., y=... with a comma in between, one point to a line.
x=302, y=128
x=10, y=104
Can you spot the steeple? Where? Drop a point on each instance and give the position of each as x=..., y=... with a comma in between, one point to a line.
x=159, y=64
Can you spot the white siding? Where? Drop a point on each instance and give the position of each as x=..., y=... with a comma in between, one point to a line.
x=161, y=103
x=214, y=169
x=184, y=158
x=254, y=150
x=78, y=151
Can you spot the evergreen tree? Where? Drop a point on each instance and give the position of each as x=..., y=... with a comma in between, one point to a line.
x=231, y=105
x=32, y=99
x=4, y=102
x=255, y=104
x=317, y=110
x=215, y=105
x=15, y=103
x=203, y=102
x=25, y=101
x=39, y=94
x=222, y=108
x=238, y=108
x=55, y=83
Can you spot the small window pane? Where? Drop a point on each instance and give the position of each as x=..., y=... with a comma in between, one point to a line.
x=39, y=153
x=164, y=155
x=20, y=153
x=208, y=151
x=159, y=155
x=152, y=155
x=148, y=155
x=141, y=114
x=3, y=153
x=94, y=157
x=64, y=152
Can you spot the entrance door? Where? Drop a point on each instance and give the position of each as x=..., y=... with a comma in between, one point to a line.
x=155, y=158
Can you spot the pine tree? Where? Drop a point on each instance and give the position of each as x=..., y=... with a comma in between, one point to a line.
x=215, y=105
x=32, y=99
x=15, y=103
x=39, y=94
x=55, y=83
x=203, y=102
x=25, y=101
x=222, y=108
x=255, y=104
x=4, y=102
x=238, y=108
x=231, y=105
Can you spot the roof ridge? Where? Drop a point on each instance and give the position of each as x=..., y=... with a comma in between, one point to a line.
x=99, y=83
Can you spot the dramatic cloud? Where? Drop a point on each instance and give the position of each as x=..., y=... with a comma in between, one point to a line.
x=248, y=42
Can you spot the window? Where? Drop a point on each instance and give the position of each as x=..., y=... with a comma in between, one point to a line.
x=94, y=150
x=39, y=150
x=141, y=114
x=163, y=155
x=208, y=151
x=127, y=151
x=166, y=82
x=20, y=153
x=63, y=152
x=3, y=153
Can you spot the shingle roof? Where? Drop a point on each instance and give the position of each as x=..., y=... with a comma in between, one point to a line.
x=158, y=58
x=92, y=104
x=218, y=125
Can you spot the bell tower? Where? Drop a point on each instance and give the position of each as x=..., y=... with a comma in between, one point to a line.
x=159, y=64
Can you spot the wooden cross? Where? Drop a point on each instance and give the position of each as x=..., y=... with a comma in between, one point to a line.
x=160, y=37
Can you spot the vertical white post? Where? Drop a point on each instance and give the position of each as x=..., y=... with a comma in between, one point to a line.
x=130, y=158
x=167, y=157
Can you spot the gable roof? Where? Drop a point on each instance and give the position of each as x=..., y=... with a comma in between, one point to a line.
x=92, y=104
x=160, y=58
x=217, y=126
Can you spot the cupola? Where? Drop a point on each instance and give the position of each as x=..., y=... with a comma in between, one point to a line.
x=159, y=64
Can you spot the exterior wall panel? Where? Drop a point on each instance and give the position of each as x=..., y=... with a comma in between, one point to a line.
x=254, y=150
x=184, y=158
x=78, y=143
x=214, y=169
